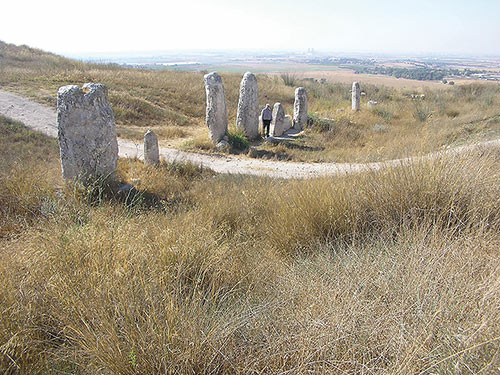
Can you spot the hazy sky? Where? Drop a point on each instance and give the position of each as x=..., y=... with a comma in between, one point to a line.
x=416, y=26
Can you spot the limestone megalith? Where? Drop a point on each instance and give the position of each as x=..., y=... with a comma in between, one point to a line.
x=216, y=117
x=300, y=108
x=86, y=132
x=247, y=118
x=151, y=150
x=277, y=127
x=287, y=123
x=356, y=96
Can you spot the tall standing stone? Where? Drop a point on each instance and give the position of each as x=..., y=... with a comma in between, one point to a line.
x=86, y=132
x=356, y=96
x=151, y=150
x=247, y=118
x=216, y=117
x=277, y=127
x=300, y=108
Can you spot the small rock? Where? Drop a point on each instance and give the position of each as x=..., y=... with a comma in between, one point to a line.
x=271, y=140
x=380, y=128
x=223, y=146
x=252, y=152
x=125, y=188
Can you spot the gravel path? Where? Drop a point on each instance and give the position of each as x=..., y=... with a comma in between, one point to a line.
x=44, y=119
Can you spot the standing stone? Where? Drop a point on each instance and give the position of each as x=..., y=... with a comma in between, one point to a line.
x=277, y=127
x=216, y=117
x=86, y=132
x=287, y=123
x=356, y=96
x=300, y=108
x=247, y=118
x=151, y=150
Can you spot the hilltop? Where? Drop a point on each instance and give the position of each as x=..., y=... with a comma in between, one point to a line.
x=394, y=271
x=173, y=105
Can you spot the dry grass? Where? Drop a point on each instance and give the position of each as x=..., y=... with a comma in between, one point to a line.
x=390, y=272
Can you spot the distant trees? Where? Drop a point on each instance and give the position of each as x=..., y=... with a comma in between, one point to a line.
x=421, y=73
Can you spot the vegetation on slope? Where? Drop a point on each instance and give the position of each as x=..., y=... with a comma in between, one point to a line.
x=173, y=105
x=389, y=272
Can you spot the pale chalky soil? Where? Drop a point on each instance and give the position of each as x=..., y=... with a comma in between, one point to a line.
x=39, y=117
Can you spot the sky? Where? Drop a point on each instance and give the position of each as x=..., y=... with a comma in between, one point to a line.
x=377, y=26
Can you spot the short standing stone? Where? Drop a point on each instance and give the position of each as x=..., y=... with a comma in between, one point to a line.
x=300, y=108
x=86, y=132
x=247, y=118
x=216, y=117
x=277, y=127
x=151, y=150
x=356, y=96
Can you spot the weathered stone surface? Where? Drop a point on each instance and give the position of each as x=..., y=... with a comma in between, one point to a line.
x=86, y=132
x=287, y=123
x=216, y=118
x=277, y=127
x=247, y=118
x=300, y=108
x=151, y=151
x=356, y=96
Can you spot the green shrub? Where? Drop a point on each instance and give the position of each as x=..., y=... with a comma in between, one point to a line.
x=238, y=140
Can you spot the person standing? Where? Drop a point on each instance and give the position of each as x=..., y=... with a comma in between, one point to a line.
x=267, y=117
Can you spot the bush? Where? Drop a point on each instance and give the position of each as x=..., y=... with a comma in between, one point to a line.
x=422, y=113
x=238, y=140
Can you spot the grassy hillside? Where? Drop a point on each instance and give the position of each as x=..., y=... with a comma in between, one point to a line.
x=390, y=272
x=173, y=104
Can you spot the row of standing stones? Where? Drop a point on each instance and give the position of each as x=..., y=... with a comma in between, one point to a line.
x=86, y=125
x=247, y=117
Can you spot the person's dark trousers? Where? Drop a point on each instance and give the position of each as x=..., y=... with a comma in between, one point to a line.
x=265, y=127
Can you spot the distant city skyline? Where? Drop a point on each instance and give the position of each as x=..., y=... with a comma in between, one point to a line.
x=383, y=27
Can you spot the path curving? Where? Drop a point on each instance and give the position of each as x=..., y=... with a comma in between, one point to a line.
x=44, y=119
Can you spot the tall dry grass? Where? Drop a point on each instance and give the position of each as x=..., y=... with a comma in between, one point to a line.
x=388, y=272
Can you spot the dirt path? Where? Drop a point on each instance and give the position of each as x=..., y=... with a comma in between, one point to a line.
x=39, y=117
